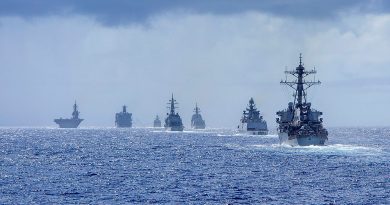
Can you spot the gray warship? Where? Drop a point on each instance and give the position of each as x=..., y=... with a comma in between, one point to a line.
x=173, y=121
x=300, y=124
x=73, y=122
x=157, y=122
x=197, y=121
x=123, y=119
x=252, y=122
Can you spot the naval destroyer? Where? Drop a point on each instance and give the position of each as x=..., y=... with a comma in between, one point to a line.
x=300, y=124
x=157, y=122
x=73, y=122
x=123, y=119
x=173, y=121
x=252, y=122
x=197, y=121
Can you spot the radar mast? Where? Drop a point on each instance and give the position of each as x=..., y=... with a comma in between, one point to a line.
x=300, y=85
x=172, y=103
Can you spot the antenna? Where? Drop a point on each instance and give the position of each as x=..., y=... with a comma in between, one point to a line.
x=172, y=103
x=300, y=58
x=300, y=85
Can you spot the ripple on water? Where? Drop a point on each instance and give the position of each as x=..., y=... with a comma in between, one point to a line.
x=126, y=166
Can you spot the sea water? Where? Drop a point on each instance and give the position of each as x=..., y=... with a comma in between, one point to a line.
x=215, y=166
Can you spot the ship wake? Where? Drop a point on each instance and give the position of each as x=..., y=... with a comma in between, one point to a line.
x=335, y=149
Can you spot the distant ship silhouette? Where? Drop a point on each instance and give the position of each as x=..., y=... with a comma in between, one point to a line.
x=173, y=121
x=73, y=122
x=252, y=121
x=123, y=119
x=197, y=121
x=157, y=122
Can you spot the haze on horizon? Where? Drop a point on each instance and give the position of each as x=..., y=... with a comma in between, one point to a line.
x=105, y=54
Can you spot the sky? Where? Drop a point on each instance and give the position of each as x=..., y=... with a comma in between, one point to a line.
x=219, y=54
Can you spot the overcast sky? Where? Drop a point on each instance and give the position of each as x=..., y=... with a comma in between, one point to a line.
x=217, y=53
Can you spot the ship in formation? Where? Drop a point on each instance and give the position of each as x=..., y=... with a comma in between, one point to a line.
x=197, y=121
x=300, y=124
x=157, y=122
x=252, y=122
x=73, y=122
x=173, y=121
x=123, y=119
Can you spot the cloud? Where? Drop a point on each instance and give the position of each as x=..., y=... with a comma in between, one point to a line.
x=219, y=61
x=119, y=12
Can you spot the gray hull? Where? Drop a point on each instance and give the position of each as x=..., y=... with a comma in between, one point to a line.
x=254, y=132
x=157, y=125
x=254, y=128
x=258, y=132
x=68, y=123
x=302, y=141
x=124, y=124
x=198, y=126
x=123, y=120
x=175, y=128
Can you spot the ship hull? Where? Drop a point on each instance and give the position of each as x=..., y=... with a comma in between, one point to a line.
x=254, y=128
x=257, y=132
x=254, y=132
x=123, y=120
x=124, y=124
x=197, y=123
x=313, y=140
x=68, y=123
x=174, y=128
x=198, y=127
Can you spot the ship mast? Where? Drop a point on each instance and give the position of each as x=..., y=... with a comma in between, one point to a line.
x=251, y=105
x=197, y=110
x=75, y=112
x=300, y=85
x=172, y=103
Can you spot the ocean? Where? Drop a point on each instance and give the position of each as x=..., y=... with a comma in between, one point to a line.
x=214, y=166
